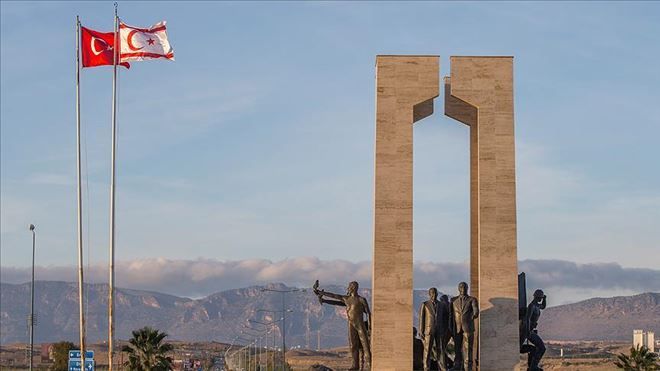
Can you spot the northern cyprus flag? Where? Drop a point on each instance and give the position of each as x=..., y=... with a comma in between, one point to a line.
x=141, y=44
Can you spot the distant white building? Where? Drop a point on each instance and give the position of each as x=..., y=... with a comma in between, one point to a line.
x=644, y=339
x=638, y=338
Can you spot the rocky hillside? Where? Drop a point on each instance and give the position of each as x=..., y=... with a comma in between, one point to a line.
x=56, y=308
x=222, y=316
x=602, y=318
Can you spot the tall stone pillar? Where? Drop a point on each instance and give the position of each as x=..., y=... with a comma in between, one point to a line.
x=405, y=88
x=479, y=93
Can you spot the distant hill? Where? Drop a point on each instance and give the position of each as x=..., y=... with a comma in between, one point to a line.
x=223, y=315
x=602, y=318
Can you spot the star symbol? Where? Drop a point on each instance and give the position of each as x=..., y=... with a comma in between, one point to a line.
x=151, y=41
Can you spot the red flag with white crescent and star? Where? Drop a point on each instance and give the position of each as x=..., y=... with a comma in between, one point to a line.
x=97, y=48
x=140, y=44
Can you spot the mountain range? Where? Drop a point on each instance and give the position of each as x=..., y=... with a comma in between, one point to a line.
x=223, y=315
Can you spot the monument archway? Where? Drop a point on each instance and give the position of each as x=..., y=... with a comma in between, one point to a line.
x=478, y=93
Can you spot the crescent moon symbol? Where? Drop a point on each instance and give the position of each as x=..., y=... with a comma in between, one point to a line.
x=94, y=50
x=129, y=40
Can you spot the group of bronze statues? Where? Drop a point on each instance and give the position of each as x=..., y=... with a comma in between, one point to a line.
x=440, y=320
x=444, y=319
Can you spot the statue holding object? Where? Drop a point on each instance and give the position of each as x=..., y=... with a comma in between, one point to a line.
x=358, y=329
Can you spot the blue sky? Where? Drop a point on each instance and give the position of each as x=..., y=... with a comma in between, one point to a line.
x=257, y=142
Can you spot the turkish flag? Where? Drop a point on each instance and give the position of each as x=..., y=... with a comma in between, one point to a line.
x=97, y=48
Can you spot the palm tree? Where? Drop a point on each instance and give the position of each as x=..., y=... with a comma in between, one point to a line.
x=146, y=351
x=640, y=359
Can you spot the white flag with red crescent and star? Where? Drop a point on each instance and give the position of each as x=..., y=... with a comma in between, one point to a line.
x=141, y=44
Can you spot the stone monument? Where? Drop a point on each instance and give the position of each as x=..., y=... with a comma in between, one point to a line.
x=405, y=88
x=478, y=93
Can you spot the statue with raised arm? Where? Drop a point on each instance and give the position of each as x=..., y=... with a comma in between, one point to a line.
x=358, y=329
x=465, y=310
x=531, y=321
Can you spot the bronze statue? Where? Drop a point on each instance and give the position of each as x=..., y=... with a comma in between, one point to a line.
x=449, y=362
x=358, y=328
x=418, y=352
x=434, y=327
x=465, y=310
x=531, y=321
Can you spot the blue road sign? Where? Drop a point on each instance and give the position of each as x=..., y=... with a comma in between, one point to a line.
x=75, y=362
x=75, y=354
x=75, y=365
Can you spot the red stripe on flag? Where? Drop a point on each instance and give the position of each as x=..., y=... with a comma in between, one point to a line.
x=147, y=54
x=148, y=30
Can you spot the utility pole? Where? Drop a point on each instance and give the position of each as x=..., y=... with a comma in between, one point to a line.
x=31, y=319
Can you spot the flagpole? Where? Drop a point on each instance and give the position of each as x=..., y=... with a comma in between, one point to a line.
x=80, y=229
x=111, y=290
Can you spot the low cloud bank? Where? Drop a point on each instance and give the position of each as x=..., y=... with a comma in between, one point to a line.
x=196, y=278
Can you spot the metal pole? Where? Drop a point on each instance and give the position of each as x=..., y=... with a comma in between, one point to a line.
x=267, y=349
x=31, y=319
x=283, y=292
x=257, y=361
x=283, y=330
x=272, y=353
x=111, y=285
x=80, y=228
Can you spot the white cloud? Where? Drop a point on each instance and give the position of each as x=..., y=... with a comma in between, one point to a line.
x=568, y=281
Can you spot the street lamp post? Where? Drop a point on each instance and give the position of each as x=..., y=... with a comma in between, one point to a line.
x=283, y=292
x=257, y=340
x=282, y=332
x=246, y=351
x=243, y=349
x=268, y=332
x=31, y=319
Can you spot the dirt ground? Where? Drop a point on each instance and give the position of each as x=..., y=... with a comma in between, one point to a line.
x=300, y=362
x=579, y=356
x=587, y=356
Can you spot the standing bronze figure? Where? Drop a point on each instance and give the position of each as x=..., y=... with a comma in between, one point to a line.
x=434, y=327
x=418, y=352
x=531, y=333
x=465, y=310
x=358, y=329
